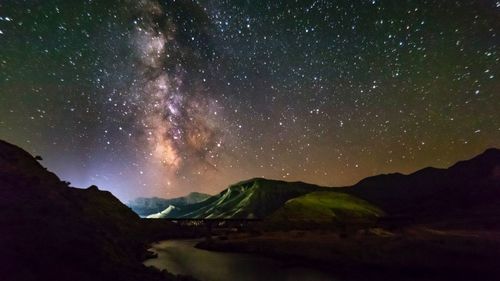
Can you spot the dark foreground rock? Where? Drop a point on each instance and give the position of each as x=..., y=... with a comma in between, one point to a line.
x=50, y=231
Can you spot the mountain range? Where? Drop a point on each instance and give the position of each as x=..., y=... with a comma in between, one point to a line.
x=51, y=231
x=149, y=206
x=251, y=199
x=465, y=189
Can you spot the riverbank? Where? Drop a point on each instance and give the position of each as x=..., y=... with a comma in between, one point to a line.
x=181, y=257
x=417, y=253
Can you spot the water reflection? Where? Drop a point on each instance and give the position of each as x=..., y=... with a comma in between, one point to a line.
x=180, y=257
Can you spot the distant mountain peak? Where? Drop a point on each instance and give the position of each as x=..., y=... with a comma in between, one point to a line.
x=492, y=150
x=145, y=206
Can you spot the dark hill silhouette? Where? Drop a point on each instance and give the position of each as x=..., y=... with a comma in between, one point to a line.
x=49, y=231
x=468, y=187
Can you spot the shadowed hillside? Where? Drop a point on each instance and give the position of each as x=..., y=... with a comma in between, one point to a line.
x=466, y=189
x=49, y=231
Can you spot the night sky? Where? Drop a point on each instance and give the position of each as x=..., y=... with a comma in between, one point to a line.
x=163, y=98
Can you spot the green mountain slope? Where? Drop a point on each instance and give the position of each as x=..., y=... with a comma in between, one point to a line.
x=255, y=198
x=326, y=207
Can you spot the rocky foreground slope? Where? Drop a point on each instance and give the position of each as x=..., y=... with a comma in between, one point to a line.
x=49, y=231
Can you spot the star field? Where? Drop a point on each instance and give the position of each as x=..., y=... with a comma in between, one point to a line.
x=163, y=98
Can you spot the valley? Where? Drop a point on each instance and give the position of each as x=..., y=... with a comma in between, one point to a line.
x=434, y=224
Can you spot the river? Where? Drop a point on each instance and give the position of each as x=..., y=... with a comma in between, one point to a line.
x=181, y=257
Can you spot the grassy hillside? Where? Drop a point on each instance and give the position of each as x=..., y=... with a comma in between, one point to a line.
x=326, y=207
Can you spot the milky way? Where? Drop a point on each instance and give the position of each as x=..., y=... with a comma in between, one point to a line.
x=175, y=119
x=161, y=98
